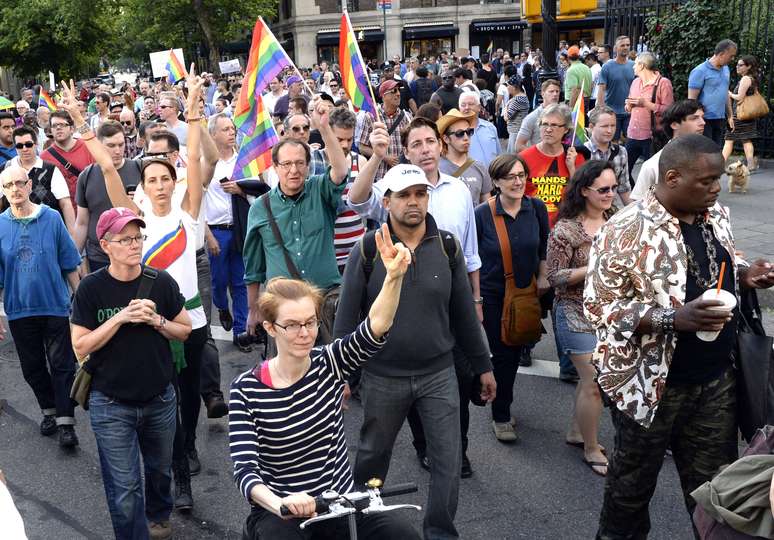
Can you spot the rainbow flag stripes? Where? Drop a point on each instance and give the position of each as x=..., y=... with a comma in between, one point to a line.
x=45, y=101
x=267, y=60
x=579, y=120
x=353, y=72
x=167, y=250
x=176, y=71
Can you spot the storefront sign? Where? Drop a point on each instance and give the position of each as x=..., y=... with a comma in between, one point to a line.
x=497, y=26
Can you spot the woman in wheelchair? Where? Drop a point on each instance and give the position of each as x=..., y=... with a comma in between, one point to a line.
x=286, y=427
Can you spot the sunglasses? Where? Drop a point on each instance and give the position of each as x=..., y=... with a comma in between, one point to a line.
x=127, y=123
x=460, y=133
x=28, y=144
x=299, y=129
x=603, y=190
x=165, y=106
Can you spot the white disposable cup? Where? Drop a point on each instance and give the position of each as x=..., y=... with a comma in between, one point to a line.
x=729, y=303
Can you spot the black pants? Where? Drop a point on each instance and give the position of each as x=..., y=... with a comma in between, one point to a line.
x=505, y=362
x=210, y=372
x=47, y=362
x=716, y=130
x=264, y=525
x=188, y=385
x=698, y=423
x=466, y=384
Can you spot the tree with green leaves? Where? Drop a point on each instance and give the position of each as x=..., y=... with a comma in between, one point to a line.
x=67, y=38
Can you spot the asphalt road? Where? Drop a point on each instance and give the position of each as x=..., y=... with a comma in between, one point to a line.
x=536, y=489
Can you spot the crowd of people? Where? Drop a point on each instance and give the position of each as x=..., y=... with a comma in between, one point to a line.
x=465, y=207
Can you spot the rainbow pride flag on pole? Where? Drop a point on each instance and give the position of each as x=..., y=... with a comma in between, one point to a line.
x=579, y=119
x=267, y=60
x=175, y=69
x=45, y=101
x=490, y=48
x=353, y=72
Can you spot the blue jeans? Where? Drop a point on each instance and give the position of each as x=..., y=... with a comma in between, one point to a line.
x=636, y=149
x=228, y=271
x=124, y=433
x=621, y=125
x=386, y=401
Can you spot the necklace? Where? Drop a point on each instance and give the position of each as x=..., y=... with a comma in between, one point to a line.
x=709, y=244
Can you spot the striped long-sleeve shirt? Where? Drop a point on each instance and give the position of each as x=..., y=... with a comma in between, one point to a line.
x=292, y=439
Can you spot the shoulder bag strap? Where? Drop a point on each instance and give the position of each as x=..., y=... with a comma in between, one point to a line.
x=502, y=237
x=653, y=100
x=462, y=168
x=396, y=123
x=69, y=167
x=294, y=273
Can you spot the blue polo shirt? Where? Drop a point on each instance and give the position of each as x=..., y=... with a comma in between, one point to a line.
x=713, y=84
x=528, y=234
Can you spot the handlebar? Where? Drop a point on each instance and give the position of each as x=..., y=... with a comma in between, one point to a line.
x=323, y=502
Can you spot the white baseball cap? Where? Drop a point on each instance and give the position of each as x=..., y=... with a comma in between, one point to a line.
x=403, y=176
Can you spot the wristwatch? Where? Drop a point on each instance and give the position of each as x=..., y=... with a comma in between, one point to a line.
x=479, y=300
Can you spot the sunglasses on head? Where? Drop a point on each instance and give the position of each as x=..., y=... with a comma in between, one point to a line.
x=460, y=133
x=28, y=144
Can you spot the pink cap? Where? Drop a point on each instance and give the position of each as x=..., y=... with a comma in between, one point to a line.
x=115, y=219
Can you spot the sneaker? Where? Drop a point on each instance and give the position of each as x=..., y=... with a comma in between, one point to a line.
x=466, y=471
x=504, y=431
x=183, y=495
x=194, y=465
x=242, y=348
x=525, y=360
x=216, y=407
x=67, y=437
x=161, y=530
x=226, y=321
x=569, y=377
x=48, y=425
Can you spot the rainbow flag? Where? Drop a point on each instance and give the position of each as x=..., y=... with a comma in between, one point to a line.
x=579, y=120
x=45, y=101
x=167, y=250
x=267, y=60
x=353, y=72
x=490, y=48
x=176, y=71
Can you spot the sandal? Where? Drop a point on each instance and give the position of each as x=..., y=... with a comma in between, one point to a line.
x=592, y=464
x=582, y=445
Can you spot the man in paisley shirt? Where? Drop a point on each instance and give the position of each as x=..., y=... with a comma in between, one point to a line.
x=648, y=268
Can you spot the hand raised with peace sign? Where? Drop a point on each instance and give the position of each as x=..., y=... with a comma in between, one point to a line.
x=395, y=257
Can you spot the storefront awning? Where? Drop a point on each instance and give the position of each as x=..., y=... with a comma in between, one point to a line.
x=331, y=36
x=429, y=30
x=498, y=25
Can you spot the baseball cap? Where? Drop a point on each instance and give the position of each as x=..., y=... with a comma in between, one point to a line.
x=515, y=80
x=386, y=86
x=292, y=79
x=451, y=117
x=403, y=176
x=573, y=52
x=115, y=219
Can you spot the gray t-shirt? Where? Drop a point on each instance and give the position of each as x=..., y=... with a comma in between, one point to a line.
x=475, y=177
x=529, y=127
x=90, y=193
x=181, y=130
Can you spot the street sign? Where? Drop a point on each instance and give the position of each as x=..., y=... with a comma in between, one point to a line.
x=384, y=5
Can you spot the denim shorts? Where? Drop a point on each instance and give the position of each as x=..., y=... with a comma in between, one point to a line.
x=572, y=342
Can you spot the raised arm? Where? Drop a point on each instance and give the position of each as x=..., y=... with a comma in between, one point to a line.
x=113, y=184
x=360, y=190
x=339, y=161
x=209, y=154
x=194, y=189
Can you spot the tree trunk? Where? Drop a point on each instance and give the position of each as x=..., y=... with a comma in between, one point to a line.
x=209, y=37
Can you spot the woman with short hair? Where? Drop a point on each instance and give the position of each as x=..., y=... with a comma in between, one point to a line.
x=586, y=206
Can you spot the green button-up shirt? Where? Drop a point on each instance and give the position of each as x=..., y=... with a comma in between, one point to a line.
x=306, y=225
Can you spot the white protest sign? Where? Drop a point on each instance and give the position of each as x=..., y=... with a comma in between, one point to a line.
x=159, y=60
x=230, y=66
x=51, y=84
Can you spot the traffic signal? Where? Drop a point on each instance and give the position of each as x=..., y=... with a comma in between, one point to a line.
x=568, y=9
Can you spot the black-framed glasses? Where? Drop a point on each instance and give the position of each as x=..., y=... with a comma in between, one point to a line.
x=294, y=328
x=544, y=125
x=603, y=190
x=129, y=240
x=156, y=155
x=513, y=177
x=286, y=165
x=460, y=133
x=60, y=125
x=28, y=144
x=19, y=184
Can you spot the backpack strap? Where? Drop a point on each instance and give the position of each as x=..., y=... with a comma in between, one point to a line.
x=294, y=273
x=368, y=254
x=69, y=167
x=450, y=247
x=462, y=168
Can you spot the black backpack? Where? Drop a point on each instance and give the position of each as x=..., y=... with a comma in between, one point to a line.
x=424, y=90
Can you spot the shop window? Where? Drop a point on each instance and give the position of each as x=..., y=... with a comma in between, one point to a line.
x=353, y=5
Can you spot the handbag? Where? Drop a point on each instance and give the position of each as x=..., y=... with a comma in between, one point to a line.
x=520, y=323
x=752, y=107
x=81, y=387
x=753, y=355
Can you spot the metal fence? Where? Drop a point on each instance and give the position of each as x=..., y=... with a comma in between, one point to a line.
x=752, y=25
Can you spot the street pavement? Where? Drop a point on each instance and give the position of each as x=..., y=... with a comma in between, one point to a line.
x=535, y=489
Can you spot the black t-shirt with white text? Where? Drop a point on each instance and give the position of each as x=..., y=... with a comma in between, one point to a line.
x=135, y=365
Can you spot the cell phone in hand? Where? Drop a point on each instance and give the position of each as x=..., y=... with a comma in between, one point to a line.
x=224, y=180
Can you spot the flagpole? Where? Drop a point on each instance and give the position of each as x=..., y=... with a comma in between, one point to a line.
x=577, y=116
x=303, y=81
x=362, y=66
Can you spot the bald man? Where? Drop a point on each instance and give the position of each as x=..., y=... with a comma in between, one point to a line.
x=129, y=123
